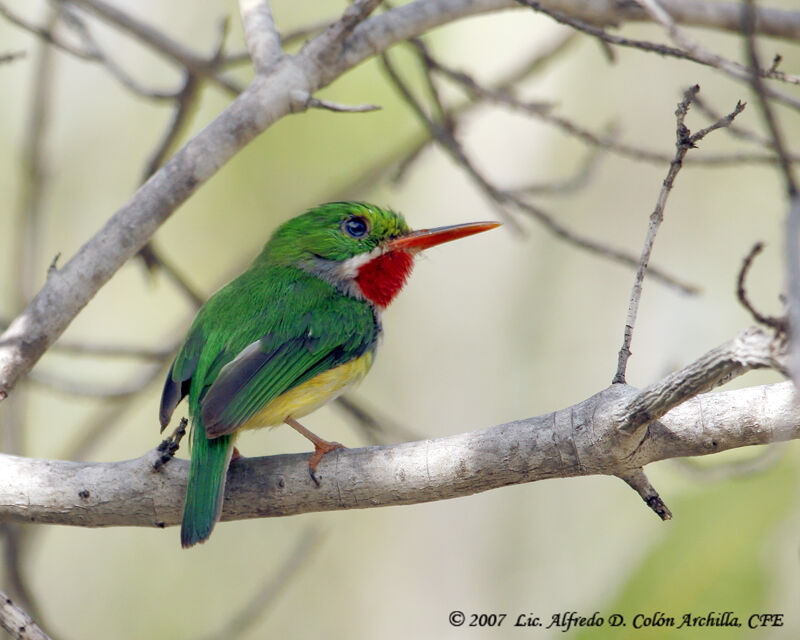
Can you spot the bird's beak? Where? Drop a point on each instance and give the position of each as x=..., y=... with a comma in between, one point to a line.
x=427, y=238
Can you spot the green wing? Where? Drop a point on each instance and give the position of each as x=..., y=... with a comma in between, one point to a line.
x=259, y=337
x=272, y=365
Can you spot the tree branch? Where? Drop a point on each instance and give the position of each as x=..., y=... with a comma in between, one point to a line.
x=577, y=441
x=260, y=33
x=17, y=622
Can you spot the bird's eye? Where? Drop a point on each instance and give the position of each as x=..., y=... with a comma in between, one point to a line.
x=355, y=227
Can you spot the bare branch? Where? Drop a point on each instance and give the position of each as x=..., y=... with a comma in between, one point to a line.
x=45, y=33
x=751, y=349
x=501, y=197
x=316, y=103
x=73, y=20
x=581, y=440
x=778, y=141
x=779, y=324
x=792, y=224
x=17, y=623
x=685, y=141
x=11, y=56
x=159, y=42
x=699, y=54
x=260, y=34
x=637, y=480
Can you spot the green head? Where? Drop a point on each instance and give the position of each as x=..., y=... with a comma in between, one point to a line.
x=334, y=231
x=365, y=251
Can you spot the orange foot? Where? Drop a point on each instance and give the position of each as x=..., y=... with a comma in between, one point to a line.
x=321, y=447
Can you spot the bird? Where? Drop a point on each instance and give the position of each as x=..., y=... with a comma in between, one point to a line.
x=295, y=330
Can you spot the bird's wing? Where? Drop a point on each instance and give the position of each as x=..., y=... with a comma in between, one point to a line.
x=179, y=378
x=324, y=335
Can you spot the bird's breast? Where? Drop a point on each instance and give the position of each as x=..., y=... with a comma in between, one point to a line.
x=312, y=394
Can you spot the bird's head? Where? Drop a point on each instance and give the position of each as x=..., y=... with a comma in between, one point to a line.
x=364, y=250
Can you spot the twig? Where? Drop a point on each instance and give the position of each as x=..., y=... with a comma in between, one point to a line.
x=17, y=622
x=792, y=225
x=569, y=185
x=617, y=255
x=45, y=33
x=536, y=64
x=90, y=51
x=685, y=141
x=543, y=111
x=272, y=587
x=761, y=92
x=286, y=39
x=503, y=197
x=169, y=446
x=184, y=103
x=737, y=130
x=17, y=541
x=74, y=21
x=159, y=42
x=699, y=54
x=779, y=324
x=317, y=103
x=33, y=189
x=637, y=480
x=11, y=56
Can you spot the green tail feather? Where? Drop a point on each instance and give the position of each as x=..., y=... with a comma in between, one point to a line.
x=209, y=466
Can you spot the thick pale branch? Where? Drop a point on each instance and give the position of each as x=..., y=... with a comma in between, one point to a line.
x=751, y=349
x=577, y=441
x=260, y=33
x=17, y=622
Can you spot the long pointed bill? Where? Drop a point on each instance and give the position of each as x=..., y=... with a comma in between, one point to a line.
x=427, y=238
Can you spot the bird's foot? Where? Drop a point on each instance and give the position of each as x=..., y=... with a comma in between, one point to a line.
x=236, y=455
x=320, y=449
x=169, y=446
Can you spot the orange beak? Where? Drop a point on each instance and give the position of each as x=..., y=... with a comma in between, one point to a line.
x=426, y=238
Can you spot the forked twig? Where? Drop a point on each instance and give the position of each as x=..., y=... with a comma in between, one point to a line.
x=685, y=140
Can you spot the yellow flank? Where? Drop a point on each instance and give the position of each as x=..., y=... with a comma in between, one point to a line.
x=312, y=394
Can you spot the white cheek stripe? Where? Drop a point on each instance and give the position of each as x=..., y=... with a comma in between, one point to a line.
x=348, y=269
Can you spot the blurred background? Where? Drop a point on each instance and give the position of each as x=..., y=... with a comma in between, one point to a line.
x=504, y=326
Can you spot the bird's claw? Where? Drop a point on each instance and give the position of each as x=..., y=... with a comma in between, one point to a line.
x=321, y=449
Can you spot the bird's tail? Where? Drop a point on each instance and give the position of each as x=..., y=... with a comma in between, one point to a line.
x=209, y=466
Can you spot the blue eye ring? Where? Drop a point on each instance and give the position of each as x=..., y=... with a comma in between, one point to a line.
x=355, y=226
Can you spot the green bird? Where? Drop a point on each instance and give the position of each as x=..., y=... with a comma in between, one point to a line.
x=291, y=333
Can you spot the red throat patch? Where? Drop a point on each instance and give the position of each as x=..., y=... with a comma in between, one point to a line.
x=381, y=279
